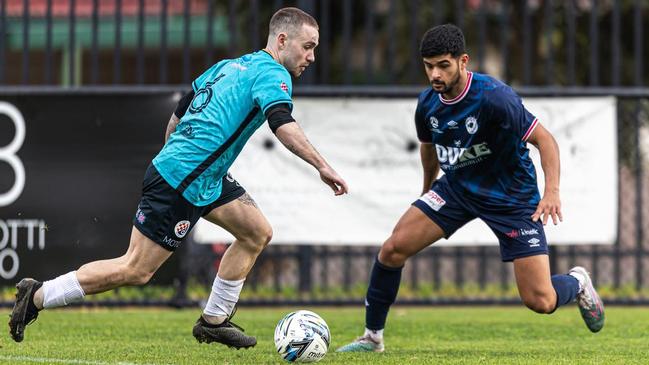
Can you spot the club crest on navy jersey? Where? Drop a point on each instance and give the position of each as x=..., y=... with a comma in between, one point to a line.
x=434, y=123
x=471, y=125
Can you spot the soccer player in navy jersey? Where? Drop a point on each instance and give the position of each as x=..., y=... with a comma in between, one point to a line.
x=189, y=179
x=476, y=129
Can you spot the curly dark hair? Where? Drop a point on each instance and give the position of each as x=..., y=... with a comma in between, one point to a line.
x=441, y=40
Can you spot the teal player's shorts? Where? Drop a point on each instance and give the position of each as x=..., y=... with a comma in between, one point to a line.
x=517, y=234
x=166, y=217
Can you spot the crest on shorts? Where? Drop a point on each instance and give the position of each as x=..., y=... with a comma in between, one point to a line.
x=139, y=215
x=181, y=228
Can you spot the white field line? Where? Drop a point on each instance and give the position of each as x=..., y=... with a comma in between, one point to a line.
x=48, y=360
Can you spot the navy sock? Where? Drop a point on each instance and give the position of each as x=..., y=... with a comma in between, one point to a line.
x=381, y=293
x=566, y=287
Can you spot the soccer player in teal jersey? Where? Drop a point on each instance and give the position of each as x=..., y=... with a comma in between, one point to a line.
x=476, y=129
x=189, y=179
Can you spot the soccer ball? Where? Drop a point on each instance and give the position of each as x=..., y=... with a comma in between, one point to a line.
x=302, y=336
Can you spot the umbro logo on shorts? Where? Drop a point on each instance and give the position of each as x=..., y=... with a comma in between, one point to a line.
x=534, y=242
x=181, y=228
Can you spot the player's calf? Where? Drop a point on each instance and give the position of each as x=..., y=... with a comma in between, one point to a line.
x=541, y=303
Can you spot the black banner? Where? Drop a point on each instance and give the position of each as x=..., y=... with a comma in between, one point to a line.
x=84, y=158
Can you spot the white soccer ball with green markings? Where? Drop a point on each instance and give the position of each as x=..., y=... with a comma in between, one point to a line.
x=302, y=336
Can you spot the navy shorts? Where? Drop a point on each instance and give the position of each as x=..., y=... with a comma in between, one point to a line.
x=166, y=217
x=518, y=235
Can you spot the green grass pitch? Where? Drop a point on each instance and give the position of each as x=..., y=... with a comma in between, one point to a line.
x=415, y=335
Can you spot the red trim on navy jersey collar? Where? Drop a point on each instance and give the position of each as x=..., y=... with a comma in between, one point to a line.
x=459, y=98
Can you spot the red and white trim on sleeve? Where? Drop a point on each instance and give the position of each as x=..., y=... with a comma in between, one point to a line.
x=530, y=130
x=459, y=98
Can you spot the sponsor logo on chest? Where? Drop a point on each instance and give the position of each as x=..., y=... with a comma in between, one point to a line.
x=452, y=155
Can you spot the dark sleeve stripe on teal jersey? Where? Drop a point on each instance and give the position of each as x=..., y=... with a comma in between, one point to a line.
x=216, y=154
x=285, y=101
x=183, y=104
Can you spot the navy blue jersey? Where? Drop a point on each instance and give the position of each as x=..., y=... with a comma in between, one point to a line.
x=481, y=141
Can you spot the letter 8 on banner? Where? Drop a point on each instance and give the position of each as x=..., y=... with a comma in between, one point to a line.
x=8, y=154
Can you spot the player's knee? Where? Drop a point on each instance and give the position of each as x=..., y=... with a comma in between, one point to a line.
x=136, y=276
x=258, y=239
x=141, y=278
x=540, y=303
x=392, y=253
x=266, y=236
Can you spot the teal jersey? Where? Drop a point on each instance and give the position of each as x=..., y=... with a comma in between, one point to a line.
x=230, y=101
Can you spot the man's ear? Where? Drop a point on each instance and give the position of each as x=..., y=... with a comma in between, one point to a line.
x=464, y=60
x=282, y=38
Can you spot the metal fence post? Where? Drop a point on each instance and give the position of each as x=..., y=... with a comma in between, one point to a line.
x=94, y=52
x=594, y=44
x=163, y=43
x=3, y=35
x=305, y=256
x=25, y=62
x=186, y=42
x=117, y=55
x=639, y=222
x=72, y=44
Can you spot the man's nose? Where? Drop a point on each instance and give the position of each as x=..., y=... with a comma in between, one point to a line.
x=435, y=74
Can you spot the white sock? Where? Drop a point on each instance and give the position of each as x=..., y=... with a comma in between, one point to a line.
x=61, y=291
x=580, y=278
x=224, y=296
x=375, y=334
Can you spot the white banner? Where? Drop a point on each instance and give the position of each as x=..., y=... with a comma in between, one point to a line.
x=373, y=145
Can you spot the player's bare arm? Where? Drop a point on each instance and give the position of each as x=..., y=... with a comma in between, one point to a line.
x=171, y=126
x=293, y=138
x=430, y=164
x=550, y=204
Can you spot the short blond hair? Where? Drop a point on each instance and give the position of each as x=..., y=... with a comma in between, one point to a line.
x=289, y=20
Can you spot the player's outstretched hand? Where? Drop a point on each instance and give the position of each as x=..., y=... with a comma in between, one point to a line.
x=549, y=206
x=335, y=182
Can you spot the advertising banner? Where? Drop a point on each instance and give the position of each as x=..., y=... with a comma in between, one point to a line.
x=372, y=143
x=71, y=169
